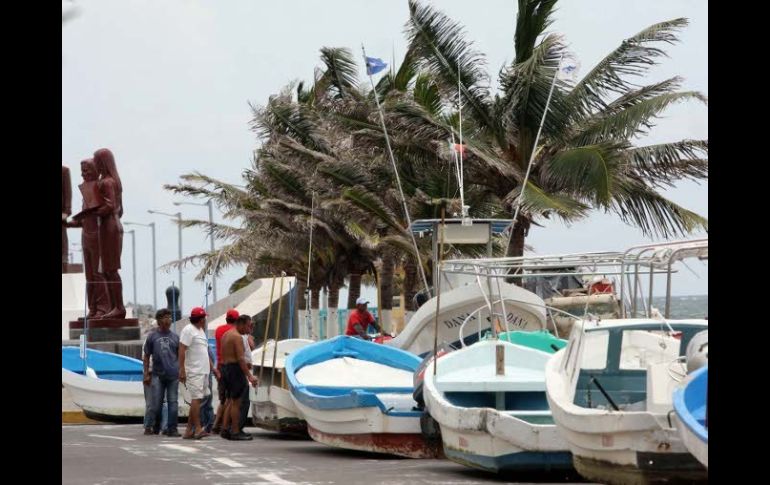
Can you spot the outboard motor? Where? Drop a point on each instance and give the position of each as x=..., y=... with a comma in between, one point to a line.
x=421, y=297
x=698, y=351
x=419, y=374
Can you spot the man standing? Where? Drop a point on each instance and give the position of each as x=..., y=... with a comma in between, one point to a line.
x=248, y=347
x=162, y=345
x=194, y=368
x=236, y=376
x=359, y=319
x=222, y=410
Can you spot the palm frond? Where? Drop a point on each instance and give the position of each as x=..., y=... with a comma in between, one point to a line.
x=633, y=57
x=441, y=48
x=533, y=17
x=630, y=121
x=668, y=162
x=640, y=205
x=341, y=75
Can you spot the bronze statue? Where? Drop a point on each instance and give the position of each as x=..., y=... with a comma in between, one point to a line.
x=88, y=221
x=66, y=210
x=110, y=229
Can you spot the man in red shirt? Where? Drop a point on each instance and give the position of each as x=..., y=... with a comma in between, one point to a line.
x=230, y=318
x=359, y=319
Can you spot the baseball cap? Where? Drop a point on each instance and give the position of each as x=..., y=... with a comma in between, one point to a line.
x=198, y=312
x=361, y=301
x=232, y=314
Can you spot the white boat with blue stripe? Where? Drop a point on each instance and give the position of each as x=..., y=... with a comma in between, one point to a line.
x=357, y=395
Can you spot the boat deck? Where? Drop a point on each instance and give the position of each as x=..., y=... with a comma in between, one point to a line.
x=483, y=379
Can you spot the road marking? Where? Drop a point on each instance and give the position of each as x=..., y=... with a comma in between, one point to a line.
x=229, y=462
x=186, y=449
x=273, y=478
x=112, y=437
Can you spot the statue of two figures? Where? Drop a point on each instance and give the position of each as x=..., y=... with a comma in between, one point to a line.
x=101, y=234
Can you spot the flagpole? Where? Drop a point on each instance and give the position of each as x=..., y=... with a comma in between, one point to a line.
x=398, y=179
x=532, y=153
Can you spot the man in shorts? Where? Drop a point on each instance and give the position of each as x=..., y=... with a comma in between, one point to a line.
x=236, y=376
x=194, y=367
x=222, y=410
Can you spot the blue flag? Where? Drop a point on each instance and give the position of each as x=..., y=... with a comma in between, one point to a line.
x=374, y=65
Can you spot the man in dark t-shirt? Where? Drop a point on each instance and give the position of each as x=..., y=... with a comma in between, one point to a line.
x=163, y=346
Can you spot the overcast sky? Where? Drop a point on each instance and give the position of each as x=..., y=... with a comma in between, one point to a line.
x=166, y=84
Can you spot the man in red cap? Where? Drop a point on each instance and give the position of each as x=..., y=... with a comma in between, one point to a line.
x=230, y=319
x=195, y=365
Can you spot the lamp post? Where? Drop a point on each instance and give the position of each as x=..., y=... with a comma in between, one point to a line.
x=132, y=232
x=178, y=216
x=154, y=261
x=211, y=238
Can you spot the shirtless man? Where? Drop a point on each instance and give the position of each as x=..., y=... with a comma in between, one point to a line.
x=236, y=376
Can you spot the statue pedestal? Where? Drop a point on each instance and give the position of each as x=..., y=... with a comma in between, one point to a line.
x=105, y=330
x=72, y=268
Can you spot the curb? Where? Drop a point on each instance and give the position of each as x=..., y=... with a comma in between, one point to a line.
x=76, y=417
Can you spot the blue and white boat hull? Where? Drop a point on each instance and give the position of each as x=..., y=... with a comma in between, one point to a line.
x=377, y=418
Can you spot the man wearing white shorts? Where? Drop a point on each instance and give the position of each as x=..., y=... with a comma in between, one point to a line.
x=194, y=368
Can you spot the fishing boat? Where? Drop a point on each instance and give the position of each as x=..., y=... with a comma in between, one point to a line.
x=610, y=391
x=109, y=388
x=271, y=405
x=691, y=407
x=489, y=401
x=357, y=395
x=104, y=365
x=488, y=398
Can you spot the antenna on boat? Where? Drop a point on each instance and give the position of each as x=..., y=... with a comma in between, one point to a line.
x=308, y=316
x=570, y=71
x=395, y=171
x=466, y=221
x=437, y=268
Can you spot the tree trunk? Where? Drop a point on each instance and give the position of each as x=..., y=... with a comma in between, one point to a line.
x=410, y=283
x=332, y=329
x=301, y=289
x=516, y=245
x=315, y=298
x=354, y=289
x=386, y=291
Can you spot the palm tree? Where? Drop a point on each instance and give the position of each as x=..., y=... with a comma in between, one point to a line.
x=586, y=159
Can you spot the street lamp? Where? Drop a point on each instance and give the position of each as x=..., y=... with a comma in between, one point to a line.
x=178, y=216
x=154, y=262
x=133, y=263
x=211, y=238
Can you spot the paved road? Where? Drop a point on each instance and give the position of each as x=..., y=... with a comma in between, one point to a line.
x=120, y=454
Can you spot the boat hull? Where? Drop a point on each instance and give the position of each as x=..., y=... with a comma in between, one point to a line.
x=278, y=413
x=368, y=429
x=697, y=447
x=483, y=437
x=619, y=447
x=490, y=453
x=108, y=400
x=650, y=468
x=690, y=414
